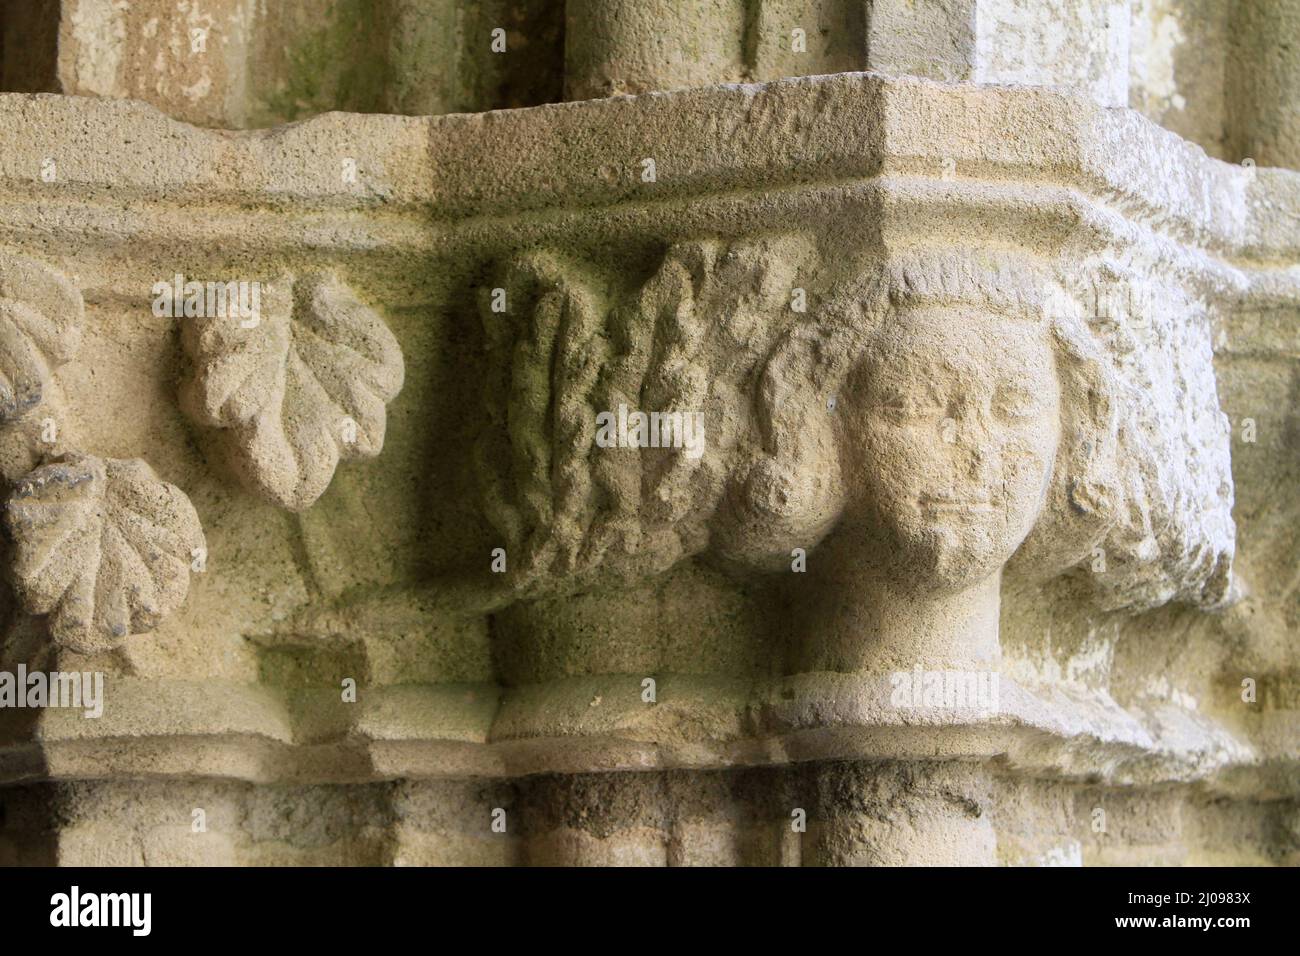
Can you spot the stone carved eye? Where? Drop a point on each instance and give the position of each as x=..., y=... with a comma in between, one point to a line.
x=1015, y=402
x=903, y=409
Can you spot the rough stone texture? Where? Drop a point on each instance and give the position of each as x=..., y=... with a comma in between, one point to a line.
x=971, y=537
x=298, y=393
x=102, y=548
x=254, y=63
x=1221, y=73
x=1263, y=82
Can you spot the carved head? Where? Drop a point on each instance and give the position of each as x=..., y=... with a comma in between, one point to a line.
x=954, y=412
x=943, y=418
x=948, y=433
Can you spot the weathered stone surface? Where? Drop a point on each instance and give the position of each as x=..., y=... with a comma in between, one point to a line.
x=981, y=549
x=298, y=394
x=41, y=314
x=102, y=547
x=249, y=63
x=1040, y=420
x=1220, y=74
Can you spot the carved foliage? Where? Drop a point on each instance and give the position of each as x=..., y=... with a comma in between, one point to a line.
x=571, y=348
x=40, y=329
x=102, y=546
x=301, y=389
x=1140, y=469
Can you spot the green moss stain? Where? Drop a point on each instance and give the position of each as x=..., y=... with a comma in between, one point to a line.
x=335, y=59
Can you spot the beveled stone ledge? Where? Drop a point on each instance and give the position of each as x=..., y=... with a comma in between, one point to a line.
x=586, y=156
x=169, y=729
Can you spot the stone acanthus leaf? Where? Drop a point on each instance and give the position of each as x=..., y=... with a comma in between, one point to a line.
x=103, y=546
x=40, y=329
x=301, y=388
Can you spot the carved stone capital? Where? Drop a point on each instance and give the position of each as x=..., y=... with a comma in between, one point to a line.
x=944, y=382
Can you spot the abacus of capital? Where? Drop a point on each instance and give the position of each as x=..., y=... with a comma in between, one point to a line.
x=784, y=432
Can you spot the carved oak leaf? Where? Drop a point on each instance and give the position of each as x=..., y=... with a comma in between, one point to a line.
x=101, y=545
x=40, y=329
x=303, y=388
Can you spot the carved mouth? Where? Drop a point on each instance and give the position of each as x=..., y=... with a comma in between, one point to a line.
x=952, y=504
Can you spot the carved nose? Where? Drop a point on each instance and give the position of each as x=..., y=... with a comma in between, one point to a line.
x=980, y=459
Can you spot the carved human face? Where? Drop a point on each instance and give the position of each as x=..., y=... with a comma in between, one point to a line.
x=952, y=424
